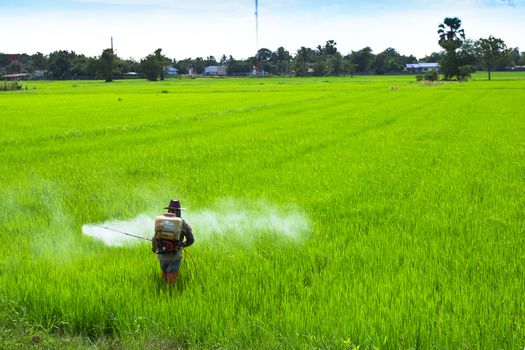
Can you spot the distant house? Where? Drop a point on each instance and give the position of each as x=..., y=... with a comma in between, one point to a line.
x=214, y=71
x=39, y=74
x=421, y=67
x=17, y=76
x=170, y=71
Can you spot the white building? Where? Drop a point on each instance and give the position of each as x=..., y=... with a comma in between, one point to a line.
x=214, y=71
x=170, y=71
x=421, y=67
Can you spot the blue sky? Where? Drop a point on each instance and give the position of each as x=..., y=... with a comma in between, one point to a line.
x=201, y=28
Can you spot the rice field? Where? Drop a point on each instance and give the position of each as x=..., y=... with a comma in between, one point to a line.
x=413, y=194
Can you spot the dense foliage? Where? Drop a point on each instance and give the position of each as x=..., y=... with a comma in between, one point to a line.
x=107, y=60
x=491, y=51
x=324, y=60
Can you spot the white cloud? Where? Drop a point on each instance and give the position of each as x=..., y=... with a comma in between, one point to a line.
x=227, y=6
x=506, y=2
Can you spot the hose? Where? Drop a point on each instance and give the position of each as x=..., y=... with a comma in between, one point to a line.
x=186, y=252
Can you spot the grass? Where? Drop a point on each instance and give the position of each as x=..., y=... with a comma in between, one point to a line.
x=414, y=192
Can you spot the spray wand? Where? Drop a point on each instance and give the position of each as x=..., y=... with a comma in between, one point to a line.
x=124, y=233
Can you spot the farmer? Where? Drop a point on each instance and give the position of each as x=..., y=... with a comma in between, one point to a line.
x=168, y=251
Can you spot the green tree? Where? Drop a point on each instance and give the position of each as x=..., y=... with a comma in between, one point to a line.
x=465, y=71
x=362, y=59
x=239, y=67
x=125, y=65
x=150, y=67
x=302, y=60
x=210, y=61
x=347, y=66
x=106, y=62
x=263, y=54
x=282, y=59
x=328, y=60
x=15, y=67
x=451, y=38
x=199, y=65
x=92, y=68
x=60, y=64
x=329, y=48
x=40, y=61
x=467, y=54
x=4, y=60
x=451, y=35
x=183, y=66
x=82, y=67
x=162, y=62
x=521, y=61
x=263, y=61
x=389, y=61
x=333, y=64
x=490, y=51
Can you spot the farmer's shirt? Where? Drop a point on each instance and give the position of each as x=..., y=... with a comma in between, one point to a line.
x=186, y=239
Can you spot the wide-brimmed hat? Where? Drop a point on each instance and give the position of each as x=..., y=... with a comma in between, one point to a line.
x=174, y=204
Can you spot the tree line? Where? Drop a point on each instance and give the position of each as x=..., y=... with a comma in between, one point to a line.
x=323, y=60
x=460, y=57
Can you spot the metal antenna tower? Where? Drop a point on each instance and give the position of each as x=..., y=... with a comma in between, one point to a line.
x=256, y=36
x=257, y=23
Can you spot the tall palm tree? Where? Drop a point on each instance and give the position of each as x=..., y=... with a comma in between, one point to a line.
x=451, y=35
x=330, y=48
x=451, y=38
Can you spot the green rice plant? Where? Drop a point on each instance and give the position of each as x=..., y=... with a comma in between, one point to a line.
x=11, y=85
x=414, y=197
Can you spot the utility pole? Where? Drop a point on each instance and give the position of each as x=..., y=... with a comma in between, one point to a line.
x=111, y=43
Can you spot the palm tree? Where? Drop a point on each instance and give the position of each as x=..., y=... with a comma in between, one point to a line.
x=451, y=35
x=162, y=62
x=451, y=38
x=330, y=48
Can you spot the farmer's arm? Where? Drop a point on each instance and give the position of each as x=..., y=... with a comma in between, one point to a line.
x=187, y=232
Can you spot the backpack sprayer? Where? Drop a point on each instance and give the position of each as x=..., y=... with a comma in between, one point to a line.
x=167, y=238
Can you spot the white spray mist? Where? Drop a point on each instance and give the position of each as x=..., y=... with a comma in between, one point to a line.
x=248, y=221
x=226, y=217
x=141, y=225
